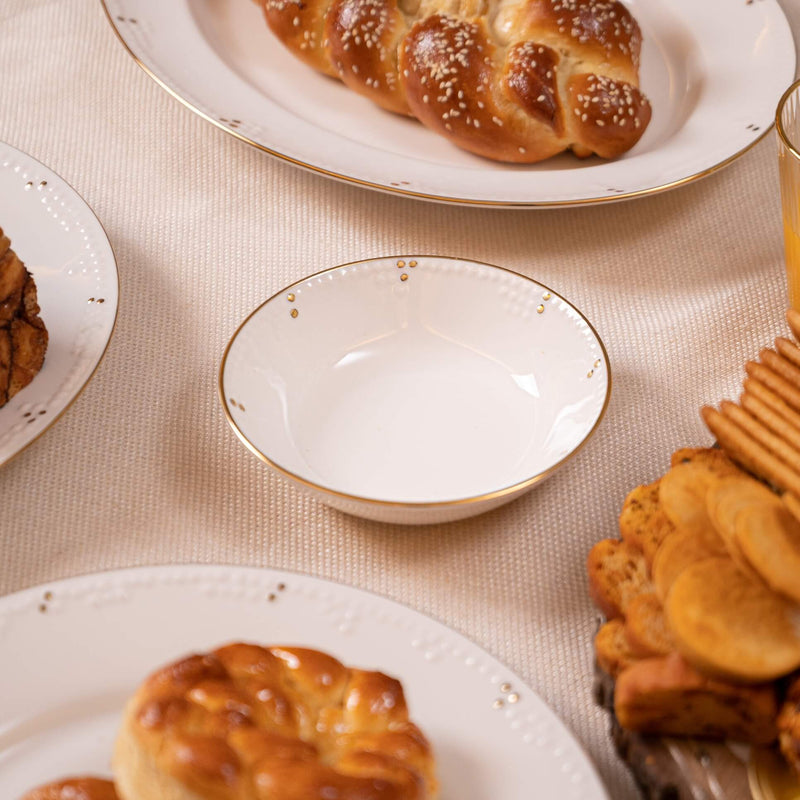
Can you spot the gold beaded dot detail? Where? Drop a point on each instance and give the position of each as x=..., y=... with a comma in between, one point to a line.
x=404, y=277
x=294, y=312
x=540, y=309
x=401, y=264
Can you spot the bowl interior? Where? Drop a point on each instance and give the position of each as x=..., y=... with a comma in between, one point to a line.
x=415, y=380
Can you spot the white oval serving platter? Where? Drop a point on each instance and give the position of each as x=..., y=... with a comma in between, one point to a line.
x=713, y=70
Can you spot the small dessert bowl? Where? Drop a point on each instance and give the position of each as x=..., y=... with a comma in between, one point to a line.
x=415, y=389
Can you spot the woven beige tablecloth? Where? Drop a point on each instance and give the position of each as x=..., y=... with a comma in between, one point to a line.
x=683, y=287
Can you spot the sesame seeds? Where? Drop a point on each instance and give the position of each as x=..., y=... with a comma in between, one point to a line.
x=610, y=102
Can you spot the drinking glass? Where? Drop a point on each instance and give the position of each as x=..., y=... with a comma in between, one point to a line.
x=787, y=124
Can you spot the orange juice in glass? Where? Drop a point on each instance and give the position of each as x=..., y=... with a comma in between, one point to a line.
x=787, y=123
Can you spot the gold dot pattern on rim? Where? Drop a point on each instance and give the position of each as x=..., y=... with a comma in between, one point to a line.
x=505, y=687
x=412, y=263
x=513, y=697
x=404, y=277
x=597, y=363
x=540, y=309
x=546, y=296
x=294, y=312
x=498, y=703
x=401, y=264
x=290, y=297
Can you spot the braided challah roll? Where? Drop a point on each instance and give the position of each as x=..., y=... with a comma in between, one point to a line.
x=511, y=80
x=270, y=723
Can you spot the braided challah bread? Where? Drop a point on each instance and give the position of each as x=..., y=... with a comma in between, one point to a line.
x=251, y=723
x=511, y=80
x=75, y=789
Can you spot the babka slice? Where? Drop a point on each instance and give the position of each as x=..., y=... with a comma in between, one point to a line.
x=23, y=335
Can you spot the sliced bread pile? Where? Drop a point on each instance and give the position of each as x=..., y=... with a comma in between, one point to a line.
x=701, y=591
x=23, y=335
x=701, y=595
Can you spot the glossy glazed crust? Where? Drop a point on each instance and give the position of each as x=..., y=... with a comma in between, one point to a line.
x=84, y=788
x=277, y=723
x=511, y=80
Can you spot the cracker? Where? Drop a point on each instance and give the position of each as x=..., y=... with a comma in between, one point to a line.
x=779, y=385
x=726, y=501
x=642, y=521
x=769, y=536
x=754, y=388
x=762, y=434
x=679, y=552
x=788, y=349
x=729, y=626
x=793, y=318
x=683, y=498
x=773, y=422
x=792, y=502
x=750, y=453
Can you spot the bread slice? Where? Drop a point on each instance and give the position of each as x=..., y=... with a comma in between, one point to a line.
x=715, y=459
x=666, y=696
x=617, y=573
x=789, y=725
x=612, y=650
x=646, y=627
x=730, y=626
x=642, y=521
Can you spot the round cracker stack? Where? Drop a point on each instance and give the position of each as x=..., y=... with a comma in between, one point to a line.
x=730, y=626
x=769, y=537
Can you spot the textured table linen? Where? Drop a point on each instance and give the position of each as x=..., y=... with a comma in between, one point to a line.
x=683, y=288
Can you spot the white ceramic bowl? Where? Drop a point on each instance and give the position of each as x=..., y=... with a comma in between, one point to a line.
x=415, y=389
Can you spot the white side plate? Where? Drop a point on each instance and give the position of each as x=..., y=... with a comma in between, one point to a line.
x=74, y=650
x=713, y=70
x=64, y=246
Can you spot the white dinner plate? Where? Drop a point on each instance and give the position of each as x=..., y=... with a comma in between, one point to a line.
x=64, y=246
x=713, y=70
x=74, y=650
